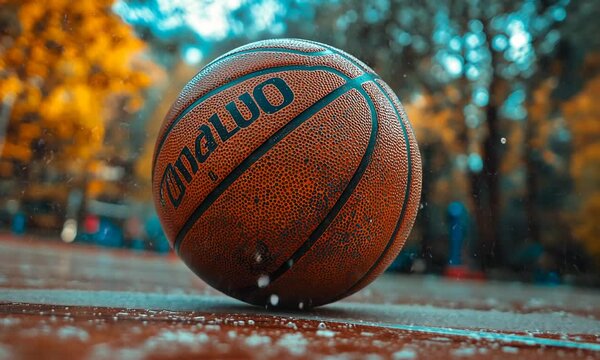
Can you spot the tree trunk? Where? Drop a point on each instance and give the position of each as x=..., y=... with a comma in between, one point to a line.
x=531, y=185
x=492, y=255
x=485, y=190
x=485, y=185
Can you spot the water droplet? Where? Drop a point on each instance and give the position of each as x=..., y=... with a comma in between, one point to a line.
x=291, y=325
x=503, y=140
x=326, y=333
x=322, y=326
x=263, y=281
x=300, y=305
x=274, y=300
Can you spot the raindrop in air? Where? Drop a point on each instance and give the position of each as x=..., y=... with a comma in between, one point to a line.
x=263, y=281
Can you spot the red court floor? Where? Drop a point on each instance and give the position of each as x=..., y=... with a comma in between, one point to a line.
x=76, y=302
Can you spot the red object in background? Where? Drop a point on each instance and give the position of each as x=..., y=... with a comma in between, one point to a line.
x=91, y=224
x=134, y=228
x=460, y=272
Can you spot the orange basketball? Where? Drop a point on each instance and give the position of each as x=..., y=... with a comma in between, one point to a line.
x=286, y=174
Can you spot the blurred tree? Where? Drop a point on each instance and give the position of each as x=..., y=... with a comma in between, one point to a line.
x=547, y=145
x=68, y=72
x=582, y=113
x=193, y=31
x=154, y=114
x=559, y=54
x=441, y=132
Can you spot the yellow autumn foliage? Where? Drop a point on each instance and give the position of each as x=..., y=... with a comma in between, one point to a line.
x=431, y=122
x=539, y=110
x=582, y=114
x=439, y=125
x=65, y=63
x=588, y=229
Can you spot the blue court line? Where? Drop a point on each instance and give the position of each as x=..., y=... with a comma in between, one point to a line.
x=485, y=335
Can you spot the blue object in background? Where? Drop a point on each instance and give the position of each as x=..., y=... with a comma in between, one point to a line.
x=138, y=244
x=156, y=236
x=109, y=234
x=18, y=223
x=543, y=277
x=456, y=213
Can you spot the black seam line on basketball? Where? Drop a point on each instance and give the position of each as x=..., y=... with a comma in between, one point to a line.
x=234, y=82
x=408, y=180
x=348, y=191
x=262, y=149
x=269, y=49
x=402, y=211
x=342, y=54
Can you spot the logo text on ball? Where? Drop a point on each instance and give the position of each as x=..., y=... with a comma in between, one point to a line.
x=190, y=157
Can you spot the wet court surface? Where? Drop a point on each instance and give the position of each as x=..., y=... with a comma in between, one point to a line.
x=64, y=301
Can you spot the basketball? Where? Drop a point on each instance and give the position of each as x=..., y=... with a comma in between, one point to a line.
x=286, y=174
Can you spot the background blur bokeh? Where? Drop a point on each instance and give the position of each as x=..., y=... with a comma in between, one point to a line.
x=502, y=96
